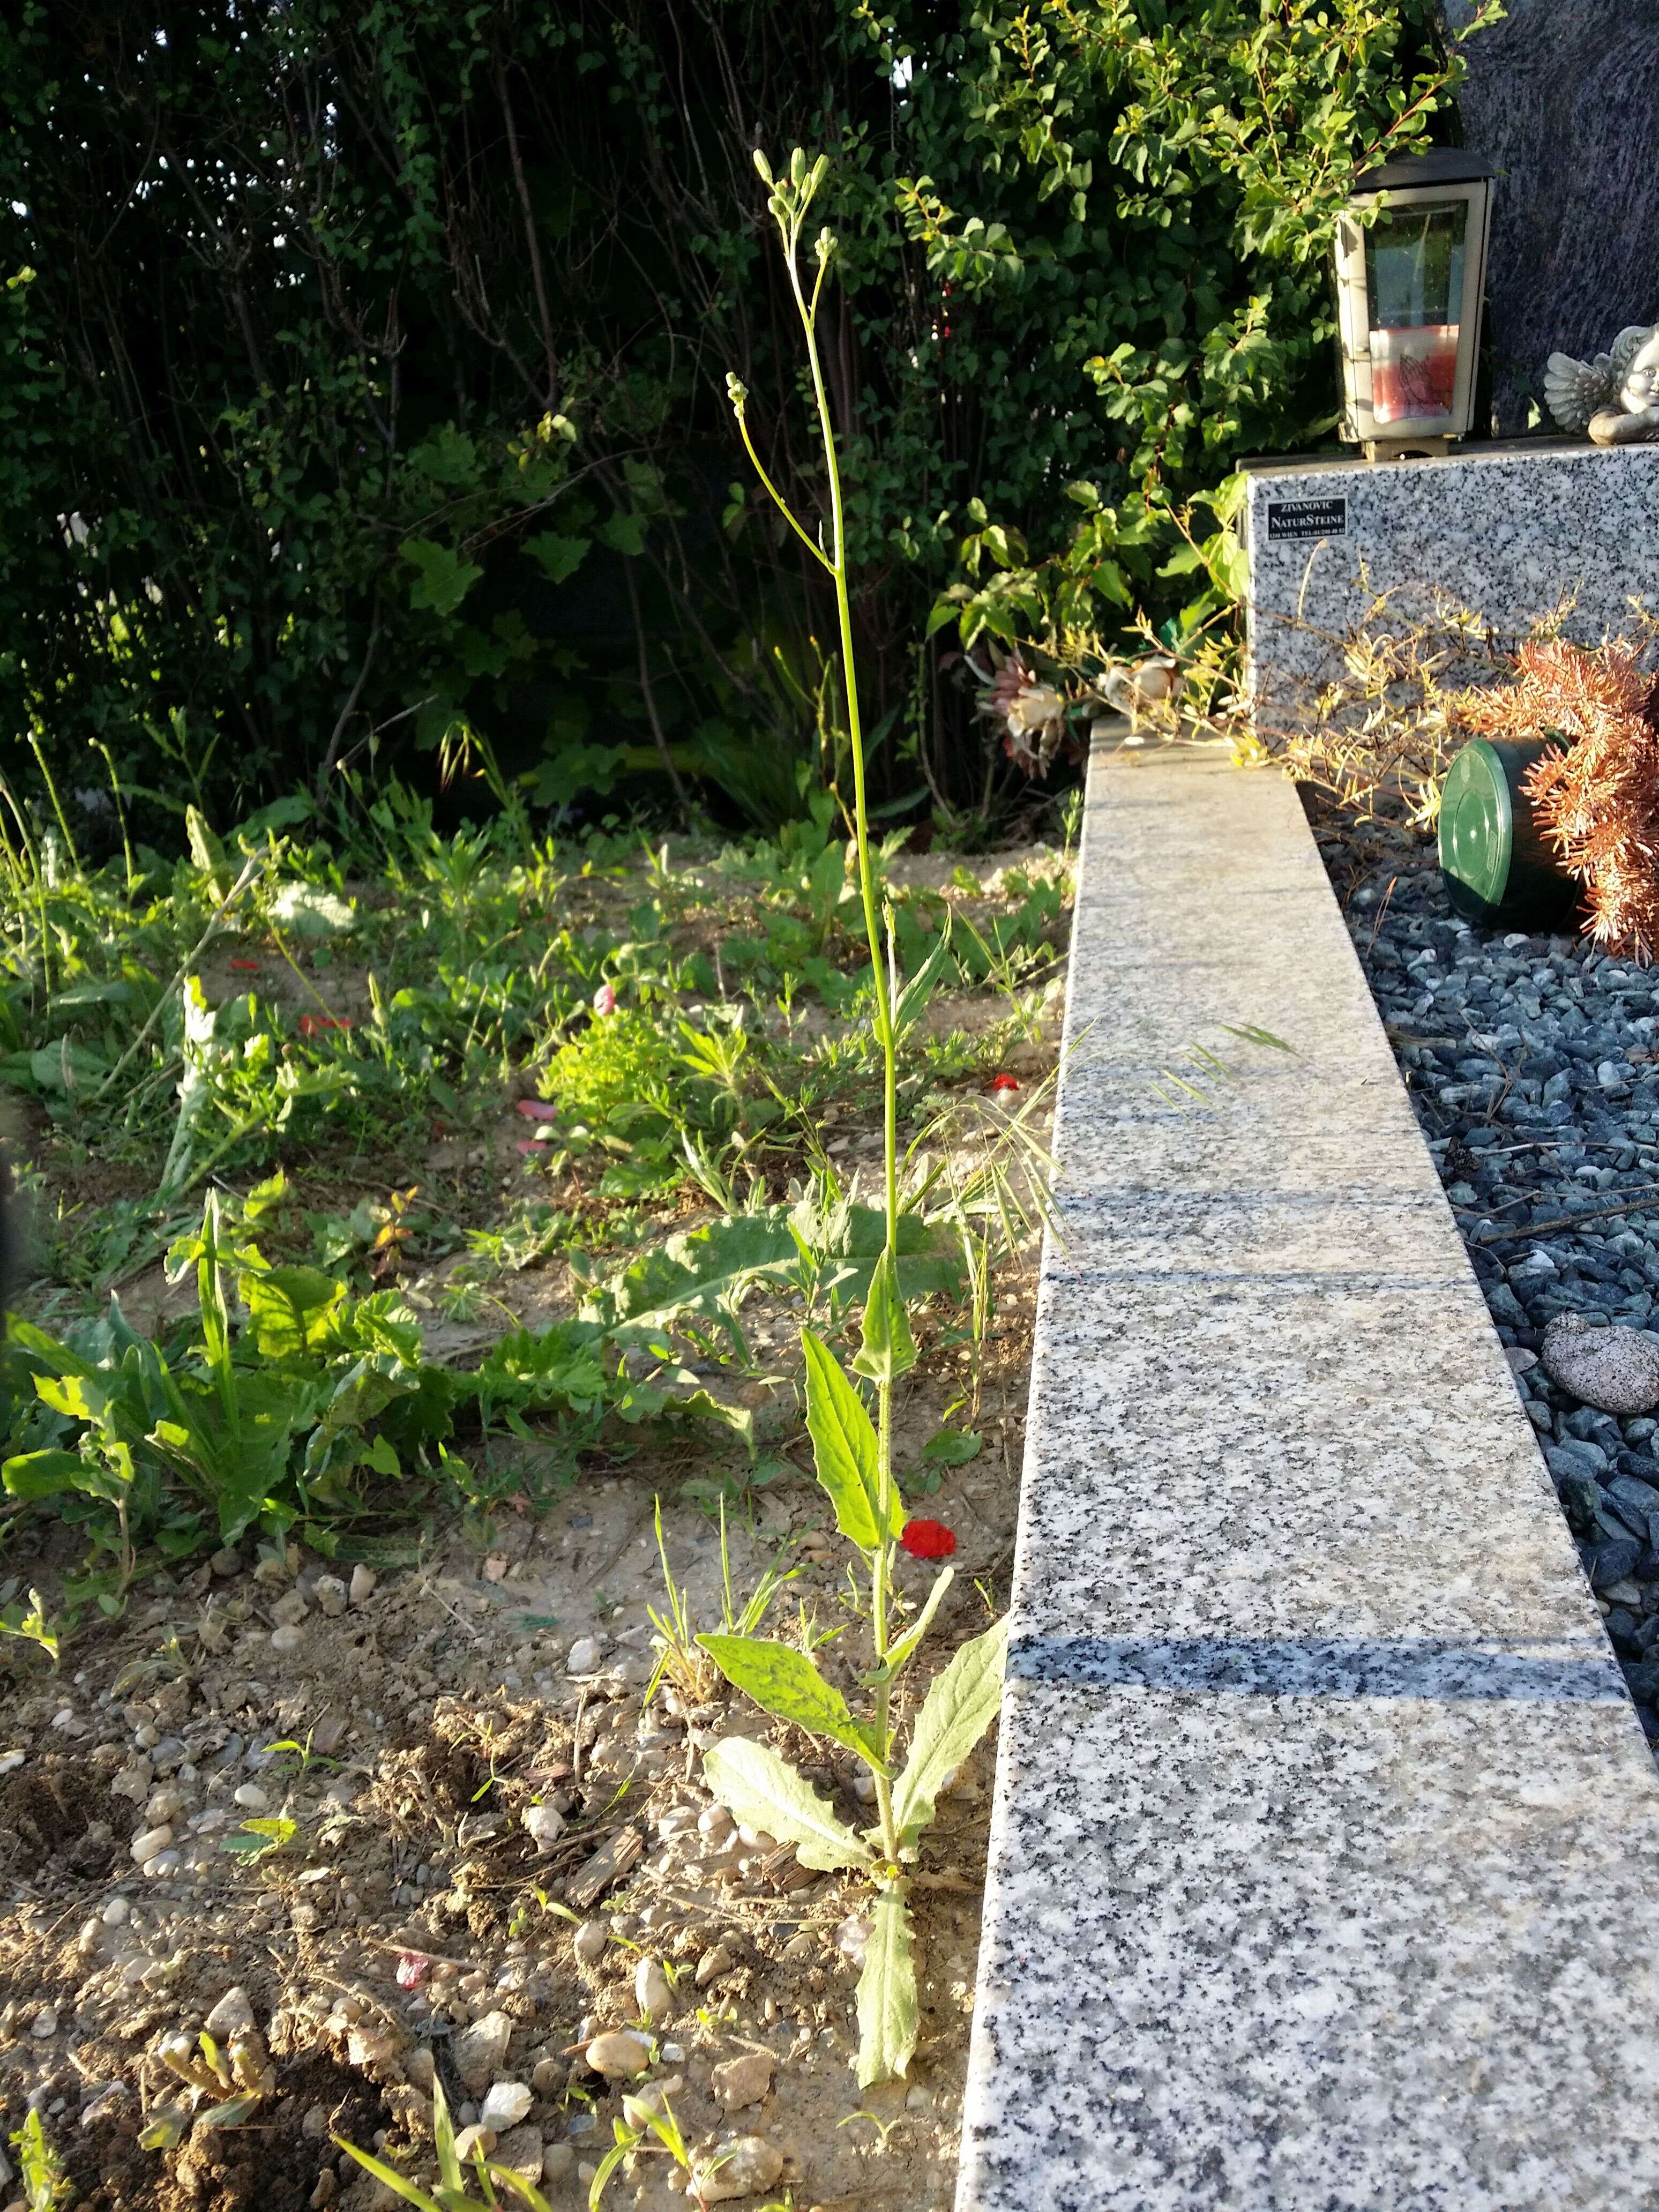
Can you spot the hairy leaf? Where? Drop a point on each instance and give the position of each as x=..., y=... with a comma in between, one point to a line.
x=888, y=2010
x=887, y=1350
x=784, y=1681
x=960, y=1705
x=899, y=1654
x=763, y=1791
x=845, y=1450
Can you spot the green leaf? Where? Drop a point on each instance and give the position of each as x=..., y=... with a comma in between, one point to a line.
x=442, y=580
x=888, y=2012
x=913, y=999
x=949, y=1447
x=622, y=533
x=443, y=2141
x=289, y=1309
x=558, y=558
x=309, y=910
x=43, y=1474
x=207, y=852
x=389, y=2174
x=887, y=1350
x=1182, y=562
x=960, y=1705
x=258, y=1838
x=167, y=2129
x=784, y=1681
x=845, y=1450
x=899, y=1653
x=760, y=1790
x=705, y=1274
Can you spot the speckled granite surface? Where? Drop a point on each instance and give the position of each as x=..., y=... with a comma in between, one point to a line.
x=1324, y=1860
x=1506, y=531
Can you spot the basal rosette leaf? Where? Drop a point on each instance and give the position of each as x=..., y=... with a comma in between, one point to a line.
x=888, y=2010
x=763, y=1791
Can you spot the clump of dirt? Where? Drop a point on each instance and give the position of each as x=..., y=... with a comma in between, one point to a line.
x=340, y=1833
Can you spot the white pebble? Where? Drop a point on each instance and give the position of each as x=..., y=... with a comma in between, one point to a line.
x=652, y=1992
x=505, y=2105
x=286, y=1641
x=149, y=1841
x=251, y=1798
x=117, y=1912
x=363, y=1580
x=543, y=1824
x=329, y=1593
x=584, y=1656
x=44, y=2026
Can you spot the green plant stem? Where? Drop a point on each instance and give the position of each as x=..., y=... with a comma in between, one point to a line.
x=56, y=803
x=120, y=811
x=881, y=1561
x=880, y=1570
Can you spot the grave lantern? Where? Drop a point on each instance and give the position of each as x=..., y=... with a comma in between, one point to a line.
x=1409, y=284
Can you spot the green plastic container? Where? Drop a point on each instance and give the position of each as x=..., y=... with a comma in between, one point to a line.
x=1497, y=866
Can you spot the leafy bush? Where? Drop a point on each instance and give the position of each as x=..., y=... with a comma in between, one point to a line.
x=624, y=1060
x=450, y=463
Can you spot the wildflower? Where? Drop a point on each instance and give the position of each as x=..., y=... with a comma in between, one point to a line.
x=538, y=1109
x=1004, y=1082
x=1032, y=713
x=604, y=1000
x=928, y=1539
x=313, y=1024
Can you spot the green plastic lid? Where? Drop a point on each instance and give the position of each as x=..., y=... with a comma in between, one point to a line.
x=1477, y=829
x=1497, y=865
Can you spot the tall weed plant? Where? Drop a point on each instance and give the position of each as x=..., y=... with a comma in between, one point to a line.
x=852, y=1454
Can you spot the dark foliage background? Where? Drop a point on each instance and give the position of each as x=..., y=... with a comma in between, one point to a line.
x=364, y=362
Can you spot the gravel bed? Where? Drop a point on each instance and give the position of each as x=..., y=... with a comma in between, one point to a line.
x=1533, y=1064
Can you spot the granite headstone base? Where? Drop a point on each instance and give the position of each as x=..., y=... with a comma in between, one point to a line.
x=1503, y=532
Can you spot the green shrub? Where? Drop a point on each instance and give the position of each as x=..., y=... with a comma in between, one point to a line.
x=452, y=464
x=619, y=1063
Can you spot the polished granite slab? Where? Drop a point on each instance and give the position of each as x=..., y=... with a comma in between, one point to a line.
x=1506, y=531
x=1325, y=1856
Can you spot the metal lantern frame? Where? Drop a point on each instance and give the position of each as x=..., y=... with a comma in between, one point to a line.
x=1442, y=177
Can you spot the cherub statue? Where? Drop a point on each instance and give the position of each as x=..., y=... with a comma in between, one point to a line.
x=1616, y=396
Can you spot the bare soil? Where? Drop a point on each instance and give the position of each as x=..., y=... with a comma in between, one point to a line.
x=435, y=1711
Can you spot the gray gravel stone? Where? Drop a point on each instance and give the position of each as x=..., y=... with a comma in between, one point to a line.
x=1526, y=1057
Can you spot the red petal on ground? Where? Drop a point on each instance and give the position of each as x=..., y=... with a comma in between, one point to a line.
x=1005, y=1083
x=245, y=967
x=538, y=1109
x=928, y=1539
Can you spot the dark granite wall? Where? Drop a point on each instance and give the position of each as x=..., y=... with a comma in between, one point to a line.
x=1563, y=96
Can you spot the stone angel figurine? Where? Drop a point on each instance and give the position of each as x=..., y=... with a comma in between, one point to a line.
x=1616, y=396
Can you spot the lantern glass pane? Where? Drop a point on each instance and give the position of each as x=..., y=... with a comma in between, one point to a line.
x=1414, y=285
